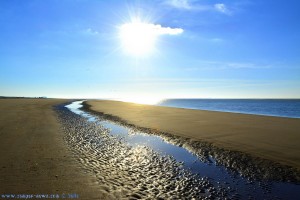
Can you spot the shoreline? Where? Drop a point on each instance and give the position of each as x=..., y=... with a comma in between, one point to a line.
x=224, y=111
x=253, y=166
x=171, y=103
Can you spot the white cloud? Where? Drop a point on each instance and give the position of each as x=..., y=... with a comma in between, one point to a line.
x=181, y=4
x=216, y=40
x=220, y=7
x=139, y=38
x=149, y=29
x=247, y=66
x=89, y=31
x=219, y=65
x=193, y=5
x=188, y=5
x=165, y=30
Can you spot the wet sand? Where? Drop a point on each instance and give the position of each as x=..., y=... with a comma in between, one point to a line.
x=34, y=158
x=273, y=138
x=131, y=172
x=136, y=169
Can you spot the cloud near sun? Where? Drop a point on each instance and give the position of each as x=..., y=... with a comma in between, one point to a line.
x=146, y=28
x=139, y=38
x=194, y=5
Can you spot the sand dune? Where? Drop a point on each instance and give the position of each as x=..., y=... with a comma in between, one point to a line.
x=273, y=138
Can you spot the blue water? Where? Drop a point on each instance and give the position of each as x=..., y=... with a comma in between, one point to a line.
x=270, y=107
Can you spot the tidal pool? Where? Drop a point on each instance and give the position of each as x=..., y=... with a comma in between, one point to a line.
x=234, y=185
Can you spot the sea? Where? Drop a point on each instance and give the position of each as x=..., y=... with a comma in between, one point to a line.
x=289, y=108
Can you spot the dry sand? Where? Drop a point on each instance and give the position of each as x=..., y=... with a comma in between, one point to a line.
x=272, y=138
x=33, y=156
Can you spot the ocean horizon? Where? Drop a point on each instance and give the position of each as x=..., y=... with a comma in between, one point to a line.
x=289, y=108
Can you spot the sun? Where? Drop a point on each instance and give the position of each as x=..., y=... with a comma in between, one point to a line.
x=137, y=38
x=141, y=99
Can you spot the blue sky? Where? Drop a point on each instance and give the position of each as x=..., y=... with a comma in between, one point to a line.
x=224, y=49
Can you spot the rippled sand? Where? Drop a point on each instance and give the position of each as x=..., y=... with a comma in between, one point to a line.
x=131, y=172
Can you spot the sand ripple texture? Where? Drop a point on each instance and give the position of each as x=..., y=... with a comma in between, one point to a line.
x=126, y=172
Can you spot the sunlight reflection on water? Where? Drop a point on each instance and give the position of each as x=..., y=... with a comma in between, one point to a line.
x=218, y=174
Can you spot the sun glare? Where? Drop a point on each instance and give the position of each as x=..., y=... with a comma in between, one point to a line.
x=137, y=38
x=142, y=100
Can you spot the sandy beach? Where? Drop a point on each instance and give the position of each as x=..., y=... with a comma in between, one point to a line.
x=34, y=159
x=47, y=149
x=271, y=138
x=44, y=148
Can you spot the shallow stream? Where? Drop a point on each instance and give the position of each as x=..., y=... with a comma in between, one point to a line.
x=238, y=187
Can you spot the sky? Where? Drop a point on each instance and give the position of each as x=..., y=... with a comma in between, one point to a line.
x=150, y=50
